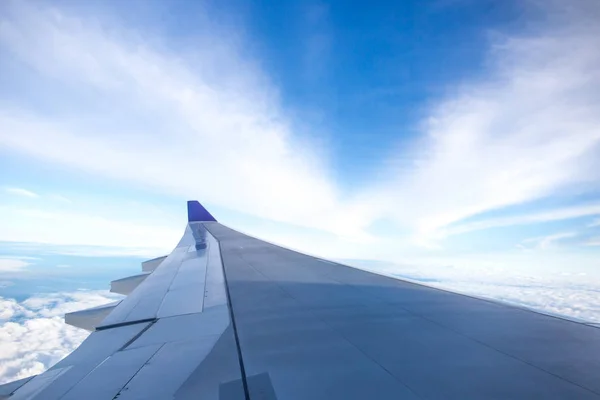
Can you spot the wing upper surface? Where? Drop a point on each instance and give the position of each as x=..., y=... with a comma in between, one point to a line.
x=228, y=316
x=321, y=330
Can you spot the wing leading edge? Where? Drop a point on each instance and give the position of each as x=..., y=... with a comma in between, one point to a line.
x=228, y=316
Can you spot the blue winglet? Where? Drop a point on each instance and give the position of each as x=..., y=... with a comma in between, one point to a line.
x=196, y=212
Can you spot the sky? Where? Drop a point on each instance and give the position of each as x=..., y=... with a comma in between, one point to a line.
x=451, y=142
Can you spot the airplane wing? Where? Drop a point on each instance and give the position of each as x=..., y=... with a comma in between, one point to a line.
x=228, y=316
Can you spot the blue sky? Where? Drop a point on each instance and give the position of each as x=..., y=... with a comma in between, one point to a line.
x=433, y=133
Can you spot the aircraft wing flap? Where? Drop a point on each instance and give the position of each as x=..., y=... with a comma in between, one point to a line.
x=90, y=318
x=7, y=389
x=186, y=292
x=62, y=377
x=145, y=300
x=106, y=380
x=126, y=285
x=151, y=265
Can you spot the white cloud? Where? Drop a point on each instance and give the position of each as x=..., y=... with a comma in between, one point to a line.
x=208, y=123
x=58, y=304
x=60, y=198
x=550, y=290
x=594, y=223
x=559, y=214
x=228, y=140
x=577, y=301
x=33, y=335
x=594, y=241
x=96, y=250
x=545, y=242
x=527, y=131
x=76, y=233
x=12, y=264
x=21, y=192
x=107, y=251
x=11, y=308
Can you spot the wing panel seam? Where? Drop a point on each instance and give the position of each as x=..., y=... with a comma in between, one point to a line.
x=309, y=309
x=233, y=325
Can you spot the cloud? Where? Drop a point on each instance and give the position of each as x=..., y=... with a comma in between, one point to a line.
x=12, y=264
x=21, y=192
x=106, y=251
x=33, y=335
x=526, y=131
x=572, y=294
x=224, y=116
x=208, y=123
x=547, y=241
x=77, y=233
x=33, y=195
x=577, y=211
x=594, y=241
x=61, y=199
x=10, y=308
x=58, y=304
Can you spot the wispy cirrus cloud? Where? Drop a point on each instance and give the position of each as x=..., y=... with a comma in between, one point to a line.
x=222, y=117
x=533, y=217
x=545, y=242
x=594, y=223
x=60, y=198
x=21, y=192
x=524, y=130
x=594, y=241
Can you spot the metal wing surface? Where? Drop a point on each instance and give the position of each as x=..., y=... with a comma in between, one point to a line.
x=228, y=316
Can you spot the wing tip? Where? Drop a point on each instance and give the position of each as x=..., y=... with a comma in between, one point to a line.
x=197, y=212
